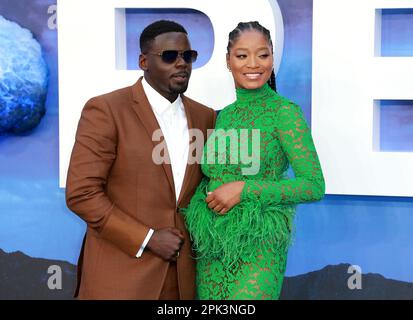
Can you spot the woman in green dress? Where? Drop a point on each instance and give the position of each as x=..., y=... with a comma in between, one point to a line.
x=241, y=215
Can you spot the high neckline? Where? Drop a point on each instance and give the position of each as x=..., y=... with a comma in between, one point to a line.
x=246, y=94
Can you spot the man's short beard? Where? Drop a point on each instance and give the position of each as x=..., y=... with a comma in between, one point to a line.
x=178, y=90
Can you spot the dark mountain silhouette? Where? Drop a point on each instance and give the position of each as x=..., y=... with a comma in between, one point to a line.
x=23, y=277
x=330, y=283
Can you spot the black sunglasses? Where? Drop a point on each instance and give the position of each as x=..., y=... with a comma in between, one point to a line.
x=170, y=56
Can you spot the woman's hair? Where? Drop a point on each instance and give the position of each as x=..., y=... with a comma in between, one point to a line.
x=252, y=26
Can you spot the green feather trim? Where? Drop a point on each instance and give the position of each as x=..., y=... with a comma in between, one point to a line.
x=248, y=227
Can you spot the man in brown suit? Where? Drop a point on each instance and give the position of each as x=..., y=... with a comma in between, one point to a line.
x=136, y=245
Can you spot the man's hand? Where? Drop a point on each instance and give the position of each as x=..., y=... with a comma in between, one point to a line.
x=166, y=243
x=223, y=198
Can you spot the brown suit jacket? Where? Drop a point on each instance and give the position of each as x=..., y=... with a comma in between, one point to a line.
x=114, y=186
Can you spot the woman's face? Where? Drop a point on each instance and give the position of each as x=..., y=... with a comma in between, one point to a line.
x=250, y=60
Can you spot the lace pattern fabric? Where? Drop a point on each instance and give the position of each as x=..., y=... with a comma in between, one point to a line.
x=242, y=254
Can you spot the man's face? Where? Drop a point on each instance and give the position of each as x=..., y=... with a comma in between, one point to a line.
x=169, y=79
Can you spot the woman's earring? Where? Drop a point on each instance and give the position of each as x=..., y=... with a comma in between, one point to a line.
x=229, y=68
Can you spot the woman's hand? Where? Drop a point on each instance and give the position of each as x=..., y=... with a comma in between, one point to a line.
x=223, y=198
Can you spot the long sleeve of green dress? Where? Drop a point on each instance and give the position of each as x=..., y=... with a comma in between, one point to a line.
x=297, y=145
x=256, y=139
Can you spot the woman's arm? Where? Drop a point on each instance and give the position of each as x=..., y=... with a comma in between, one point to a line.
x=297, y=143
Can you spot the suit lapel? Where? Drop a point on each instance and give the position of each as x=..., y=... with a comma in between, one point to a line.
x=189, y=168
x=146, y=115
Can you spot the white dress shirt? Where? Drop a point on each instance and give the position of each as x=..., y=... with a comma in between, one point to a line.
x=172, y=120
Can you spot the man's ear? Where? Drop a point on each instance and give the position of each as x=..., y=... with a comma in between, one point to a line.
x=143, y=62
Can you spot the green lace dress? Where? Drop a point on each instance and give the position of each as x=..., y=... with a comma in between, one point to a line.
x=242, y=254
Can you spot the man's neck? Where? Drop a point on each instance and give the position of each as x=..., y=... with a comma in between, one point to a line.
x=168, y=96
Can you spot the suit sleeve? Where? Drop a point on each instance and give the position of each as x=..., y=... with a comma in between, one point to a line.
x=92, y=157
